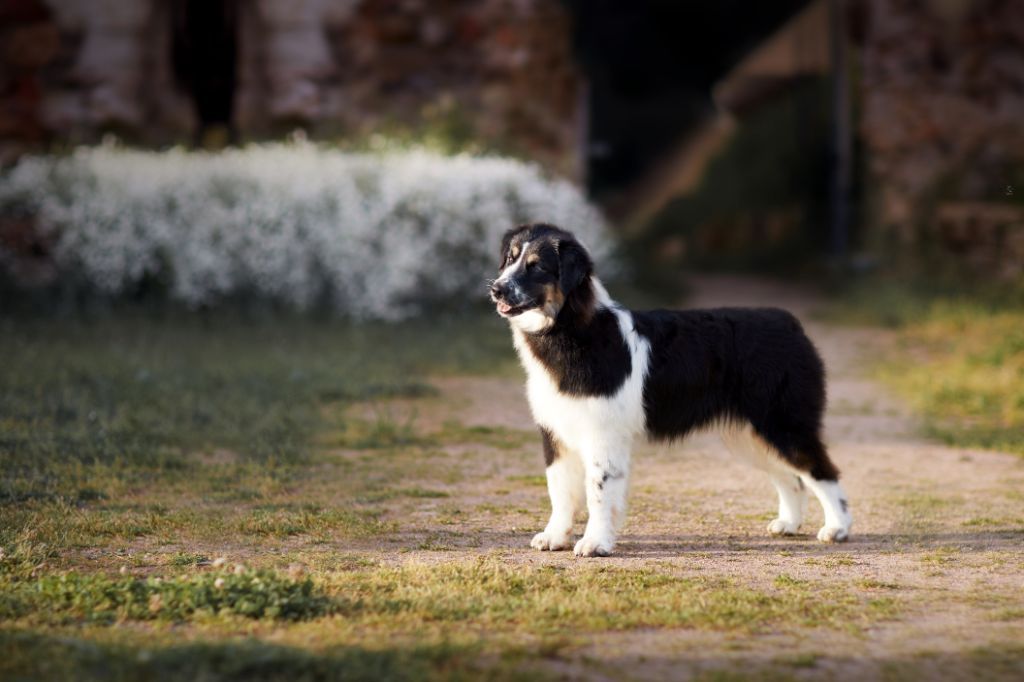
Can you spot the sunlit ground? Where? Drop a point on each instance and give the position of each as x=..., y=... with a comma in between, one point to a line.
x=235, y=497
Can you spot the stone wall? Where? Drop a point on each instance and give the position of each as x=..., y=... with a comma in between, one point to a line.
x=942, y=89
x=71, y=70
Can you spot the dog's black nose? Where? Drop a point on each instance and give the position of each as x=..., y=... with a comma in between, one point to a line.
x=497, y=290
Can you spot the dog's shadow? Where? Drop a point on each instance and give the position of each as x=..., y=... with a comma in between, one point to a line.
x=668, y=546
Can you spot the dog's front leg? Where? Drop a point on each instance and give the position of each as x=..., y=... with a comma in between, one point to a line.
x=565, y=487
x=607, y=480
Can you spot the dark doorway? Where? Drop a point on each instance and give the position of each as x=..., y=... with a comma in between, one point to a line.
x=205, y=55
x=651, y=65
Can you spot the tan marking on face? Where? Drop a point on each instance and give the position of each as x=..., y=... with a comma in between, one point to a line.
x=554, y=299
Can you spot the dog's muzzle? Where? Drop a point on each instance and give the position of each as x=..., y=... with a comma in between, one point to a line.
x=509, y=299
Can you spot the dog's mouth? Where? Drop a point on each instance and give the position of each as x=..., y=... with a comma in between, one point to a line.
x=509, y=310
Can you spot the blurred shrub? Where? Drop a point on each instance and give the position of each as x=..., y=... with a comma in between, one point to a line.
x=371, y=235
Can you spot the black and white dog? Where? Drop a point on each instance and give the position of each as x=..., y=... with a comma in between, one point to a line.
x=600, y=375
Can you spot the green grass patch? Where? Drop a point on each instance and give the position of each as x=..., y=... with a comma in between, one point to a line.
x=941, y=556
x=187, y=559
x=87, y=403
x=452, y=600
x=381, y=433
x=76, y=598
x=454, y=433
x=529, y=479
x=995, y=662
x=56, y=527
x=497, y=597
x=989, y=522
x=969, y=379
x=1011, y=614
x=958, y=360
x=875, y=584
x=26, y=655
x=439, y=620
x=312, y=521
x=396, y=493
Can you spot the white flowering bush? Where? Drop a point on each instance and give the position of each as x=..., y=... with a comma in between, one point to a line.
x=379, y=235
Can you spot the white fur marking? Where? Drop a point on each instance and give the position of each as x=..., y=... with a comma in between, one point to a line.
x=833, y=500
x=532, y=321
x=507, y=272
x=565, y=487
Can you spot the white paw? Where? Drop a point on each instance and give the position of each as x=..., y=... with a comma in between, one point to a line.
x=827, y=534
x=553, y=542
x=783, y=527
x=589, y=546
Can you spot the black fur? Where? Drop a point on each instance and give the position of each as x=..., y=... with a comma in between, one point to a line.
x=589, y=359
x=743, y=364
x=573, y=263
x=548, y=443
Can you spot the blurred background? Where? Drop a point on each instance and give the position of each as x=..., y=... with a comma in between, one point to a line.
x=788, y=136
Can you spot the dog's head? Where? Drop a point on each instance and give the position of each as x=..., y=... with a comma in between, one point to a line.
x=543, y=270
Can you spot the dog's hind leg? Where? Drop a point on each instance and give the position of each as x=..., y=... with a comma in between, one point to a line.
x=821, y=477
x=746, y=444
x=835, y=505
x=566, y=489
x=792, y=502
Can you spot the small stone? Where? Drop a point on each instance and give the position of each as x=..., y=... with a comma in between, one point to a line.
x=218, y=583
x=239, y=569
x=123, y=570
x=219, y=562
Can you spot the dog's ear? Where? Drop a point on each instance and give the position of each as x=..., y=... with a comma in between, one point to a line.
x=506, y=242
x=574, y=264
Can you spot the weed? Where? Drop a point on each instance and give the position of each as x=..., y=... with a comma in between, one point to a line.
x=312, y=521
x=875, y=584
x=79, y=597
x=187, y=559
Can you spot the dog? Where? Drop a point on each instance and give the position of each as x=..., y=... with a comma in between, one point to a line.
x=599, y=376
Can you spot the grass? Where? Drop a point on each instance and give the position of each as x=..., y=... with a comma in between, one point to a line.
x=970, y=385
x=150, y=442
x=91, y=409
x=148, y=391
x=453, y=601
x=36, y=656
x=548, y=600
x=115, y=531
x=69, y=598
x=438, y=619
x=959, y=360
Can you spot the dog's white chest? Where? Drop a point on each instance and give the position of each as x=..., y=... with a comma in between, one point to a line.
x=590, y=421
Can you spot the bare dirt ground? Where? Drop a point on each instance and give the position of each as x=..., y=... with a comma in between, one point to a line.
x=938, y=530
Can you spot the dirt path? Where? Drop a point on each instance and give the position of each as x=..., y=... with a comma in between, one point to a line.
x=938, y=530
